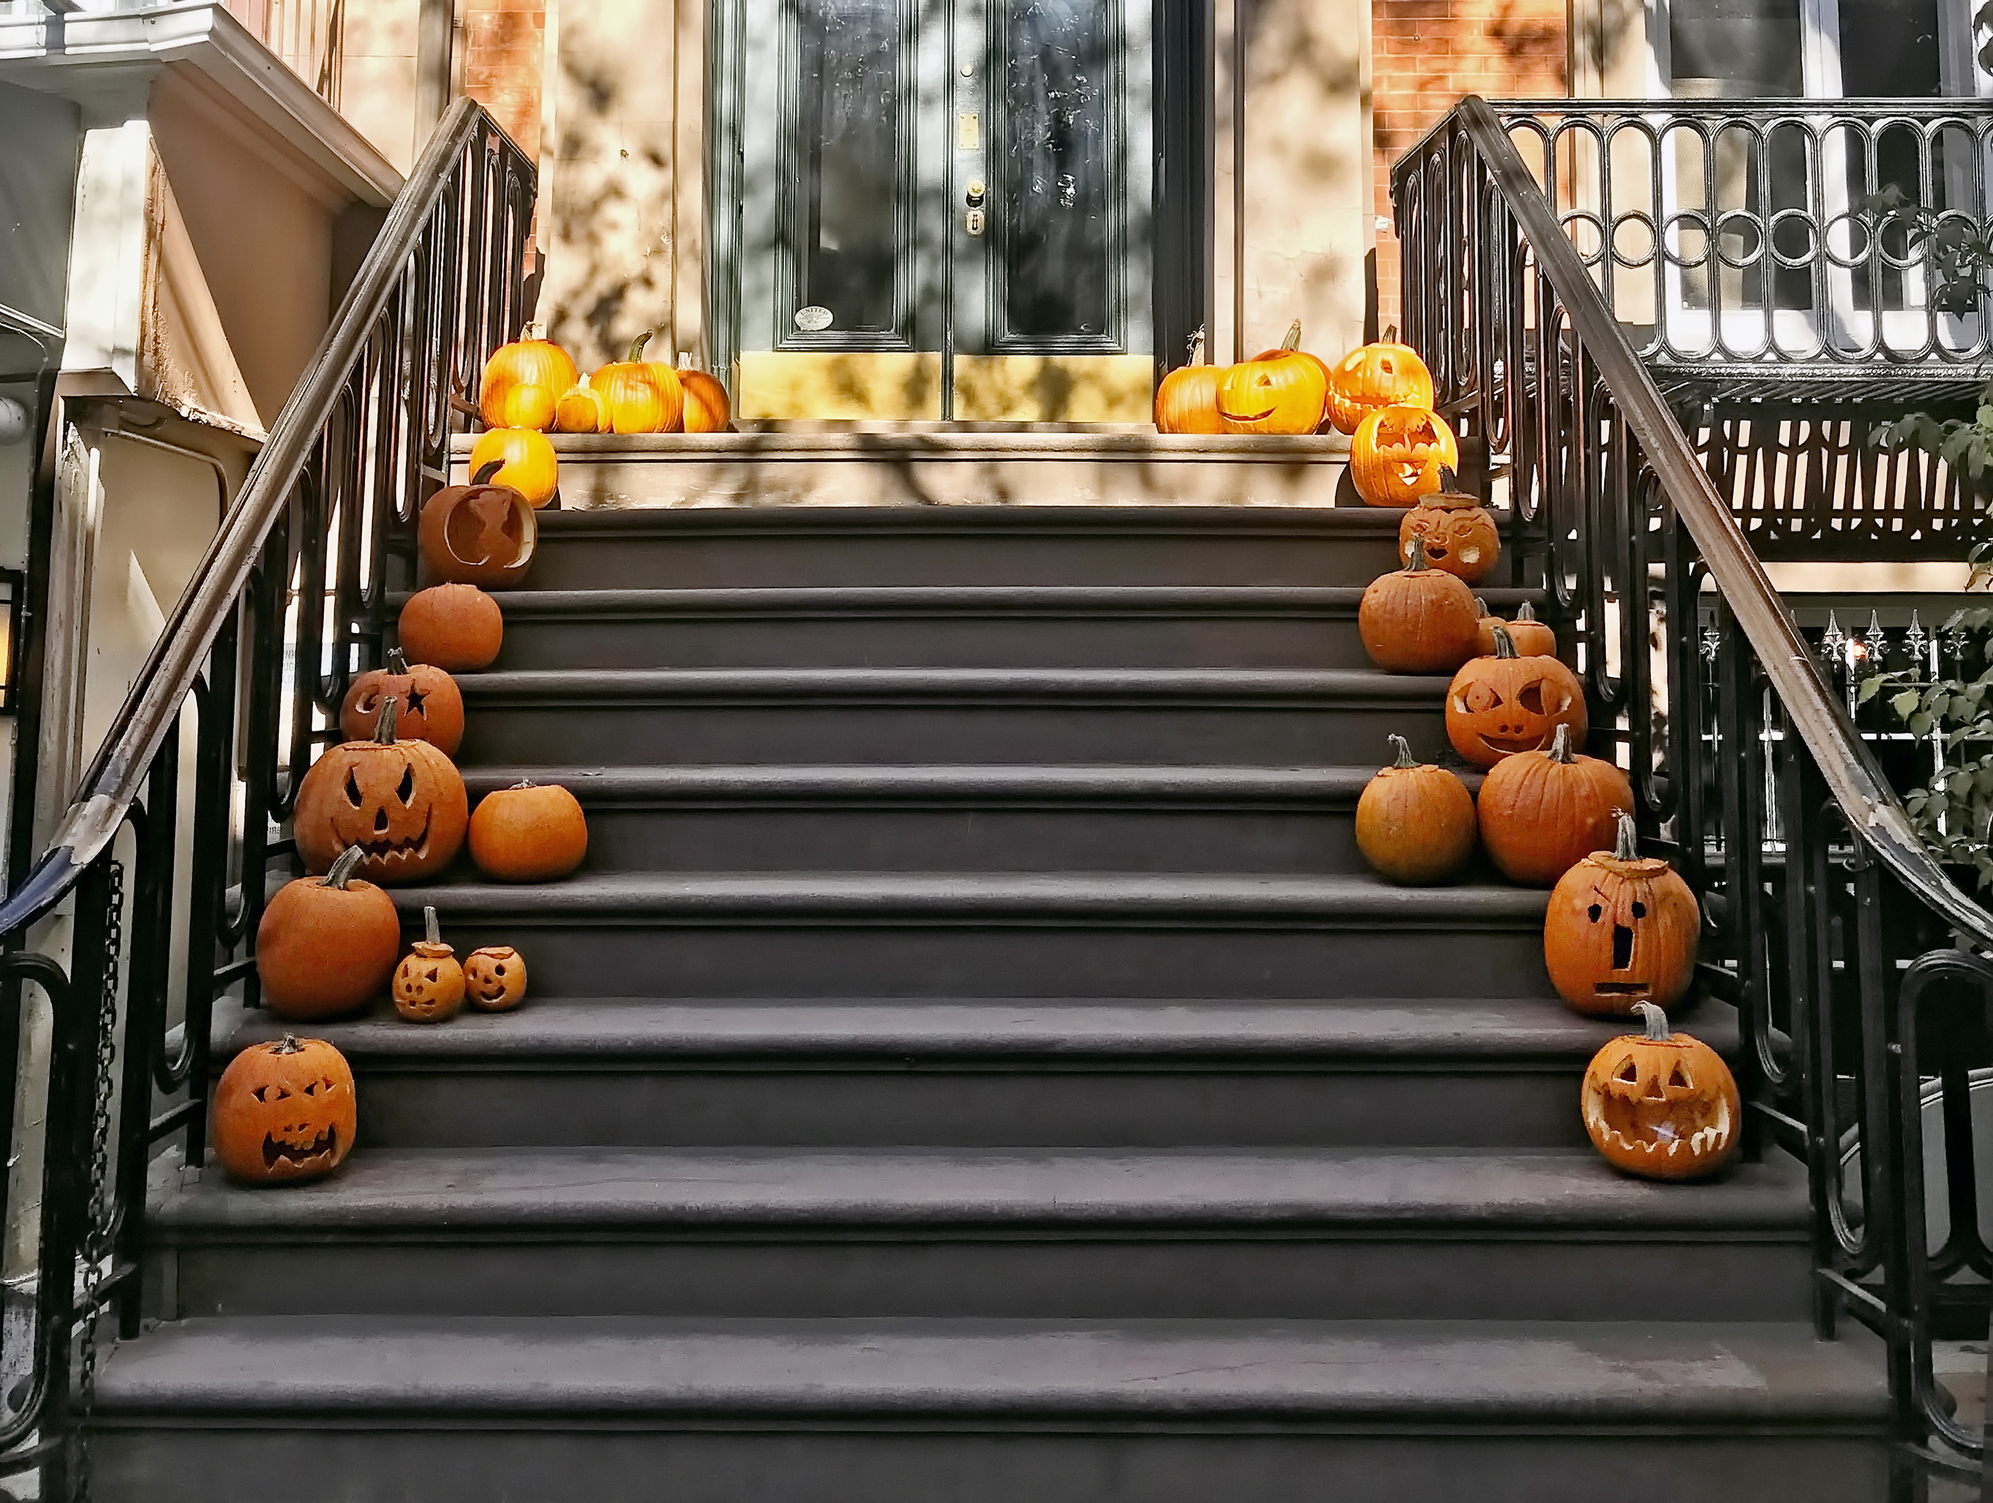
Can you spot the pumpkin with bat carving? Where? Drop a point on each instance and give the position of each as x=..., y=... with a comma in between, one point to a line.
x=402, y=802
x=284, y=1111
x=1621, y=929
x=1661, y=1104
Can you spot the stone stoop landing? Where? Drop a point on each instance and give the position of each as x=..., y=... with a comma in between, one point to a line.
x=938, y=464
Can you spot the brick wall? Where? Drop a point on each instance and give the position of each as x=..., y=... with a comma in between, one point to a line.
x=1425, y=55
x=503, y=42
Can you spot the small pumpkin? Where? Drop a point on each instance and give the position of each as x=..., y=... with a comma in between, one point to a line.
x=1461, y=534
x=1504, y=703
x=1417, y=620
x=1278, y=391
x=526, y=462
x=456, y=627
x=1531, y=637
x=285, y=1111
x=429, y=984
x=478, y=534
x=402, y=803
x=1415, y=822
x=326, y=945
x=1383, y=373
x=530, y=832
x=1661, y=1104
x=1542, y=812
x=1621, y=929
x=639, y=395
x=1187, y=398
x=1398, y=453
x=581, y=409
x=431, y=707
x=523, y=380
x=495, y=978
x=708, y=409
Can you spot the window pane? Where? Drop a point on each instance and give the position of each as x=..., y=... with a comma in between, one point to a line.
x=1889, y=48
x=1735, y=49
x=848, y=146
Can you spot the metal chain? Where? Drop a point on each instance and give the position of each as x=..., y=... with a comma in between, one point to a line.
x=98, y=1241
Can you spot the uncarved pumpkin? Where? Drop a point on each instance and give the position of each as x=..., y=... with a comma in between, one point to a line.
x=523, y=380
x=530, y=832
x=1531, y=637
x=457, y=627
x=402, y=803
x=1542, y=812
x=1621, y=928
x=479, y=534
x=1417, y=620
x=1661, y=1104
x=429, y=983
x=326, y=945
x=1279, y=391
x=431, y=706
x=1461, y=534
x=581, y=410
x=1187, y=398
x=1503, y=704
x=284, y=1112
x=707, y=407
x=639, y=395
x=1414, y=821
x=1381, y=374
x=525, y=459
x=1398, y=453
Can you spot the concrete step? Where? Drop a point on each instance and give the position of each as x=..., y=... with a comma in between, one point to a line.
x=434, y=1411
x=1130, y=716
x=999, y=935
x=644, y=1072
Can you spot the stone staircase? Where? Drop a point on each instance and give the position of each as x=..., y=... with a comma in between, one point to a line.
x=975, y=1065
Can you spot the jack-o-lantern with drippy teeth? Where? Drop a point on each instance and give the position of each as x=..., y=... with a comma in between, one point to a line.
x=1460, y=533
x=495, y=978
x=429, y=984
x=1621, y=929
x=1399, y=453
x=284, y=1111
x=1661, y=1104
x=478, y=534
x=1500, y=705
x=402, y=802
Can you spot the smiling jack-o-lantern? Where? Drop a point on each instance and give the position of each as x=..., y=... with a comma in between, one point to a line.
x=429, y=984
x=1278, y=391
x=1621, y=929
x=1504, y=704
x=1662, y=1105
x=1398, y=454
x=284, y=1111
x=495, y=978
x=432, y=707
x=1381, y=374
x=1460, y=533
x=478, y=534
x=402, y=802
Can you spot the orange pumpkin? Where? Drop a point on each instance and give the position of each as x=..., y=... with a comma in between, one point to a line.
x=1187, y=398
x=1661, y=1104
x=1372, y=376
x=478, y=534
x=707, y=406
x=401, y=802
x=1503, y=704
x=1417, y=620
x=1398, y=453
x=495, y=978
x=1415, y=823
x=1621, y=928
x=523, y=380
x=639, y=395
x=429, y=984
x=580, y=409
x=529, y=833
x=326, y=945
x=1531, y=637
x=1460, y=533
x=1280, y=391
x=431, y=705
x=1542, y=812
x=455, y=626
x=285, y=1112
x=525, y=461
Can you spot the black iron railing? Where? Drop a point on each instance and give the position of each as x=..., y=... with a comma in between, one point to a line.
x=189, y=794
x=1859, y=970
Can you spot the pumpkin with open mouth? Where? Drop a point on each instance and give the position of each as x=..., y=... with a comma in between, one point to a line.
x=1503, y=704
x=284, y=1111
x=402, y=803
x=1460, y=533
x=1661, y=1104
x=1398, y=455
x=1621, y=929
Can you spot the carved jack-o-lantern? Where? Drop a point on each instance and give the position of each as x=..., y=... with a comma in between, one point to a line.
x=402, y=802
x=1460, y=533
x=432, y=707
x=1662, y=1105
x=1397, y=454
x=429, y=984
x=1277, y=391
x=1621, y=929
x=495, y=978
x=1383, y=374
x=284, y=1111
x=478, y=534
x=1498, y=706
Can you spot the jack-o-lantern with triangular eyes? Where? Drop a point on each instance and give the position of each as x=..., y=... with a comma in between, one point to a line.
x=429, y=983
x=1661, y=1104
x=284, y=1111
x=402, y=802
x=1621, y=929
x=1397, y=455
x=1500, y=705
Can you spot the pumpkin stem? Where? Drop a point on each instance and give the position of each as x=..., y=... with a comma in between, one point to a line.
x=390, y=717
x=1560, y=745
x=534, y=331
x=1415, y=559
x=397, y=664
x=1656, y=1020
x=343, y=866
x=431, y=930
x=1627, y=846
x=1448, y=479
x=1525, y=612
x=1405, y=758
x=1390, y=334
x=288, y=1044
x=1505, y=645
x=637, y=347
x=1480, y=606
x=486, y=470
x=525, y=783
x=1197, y=348
x=1293, y=339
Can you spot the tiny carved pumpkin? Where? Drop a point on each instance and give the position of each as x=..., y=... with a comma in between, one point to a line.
x=1187, y=398
x=1279, y=391
x=1502, y=704
x=401, y=802
x=708, y=409
x=581, y=409
x=327, y=944
x=1417, y=620
x=523, y=380
x=495, y=978
x=1660, y=1104
x=1620, y=929
x=529, y=832
x=429, y=984
x=1382, y=374
x=1460, y=533
x=1531, y=637
x=1398, y=453
x=284, y=1111
x=478, y=534
x=1542, y=812
x=526, y=462
x=431, y=707
x=454, y=626
x=1415, y=823
x=639, y=395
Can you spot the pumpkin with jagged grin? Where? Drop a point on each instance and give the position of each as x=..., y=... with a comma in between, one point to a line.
x=1661, y=1104
x=402, y=802
x=284, y=1111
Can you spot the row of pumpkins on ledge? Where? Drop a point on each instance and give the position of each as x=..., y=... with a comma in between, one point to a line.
x=534, y=384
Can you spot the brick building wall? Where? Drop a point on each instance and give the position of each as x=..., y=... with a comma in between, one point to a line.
x=1425, y=55
x=503, y=42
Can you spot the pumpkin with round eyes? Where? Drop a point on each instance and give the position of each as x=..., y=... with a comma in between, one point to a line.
x=1460, y=533
x=495, y=978
x=1279, y=391
x=326, y=945
x=1661, y=1104
x=526, y=461
x=429, y=984
x=1398, y=453
x=1621, y=929
x=1503, y=704
x=1187, y=398
x=1415, y=824
x=1543, y=812
x=1531, y=637
x=1417, y=620
x=430, y=704
x=478, y=534
x=401, y=802
x=454, y=626
x=1382, y=374
x=522, y=381
x=284, y=1111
